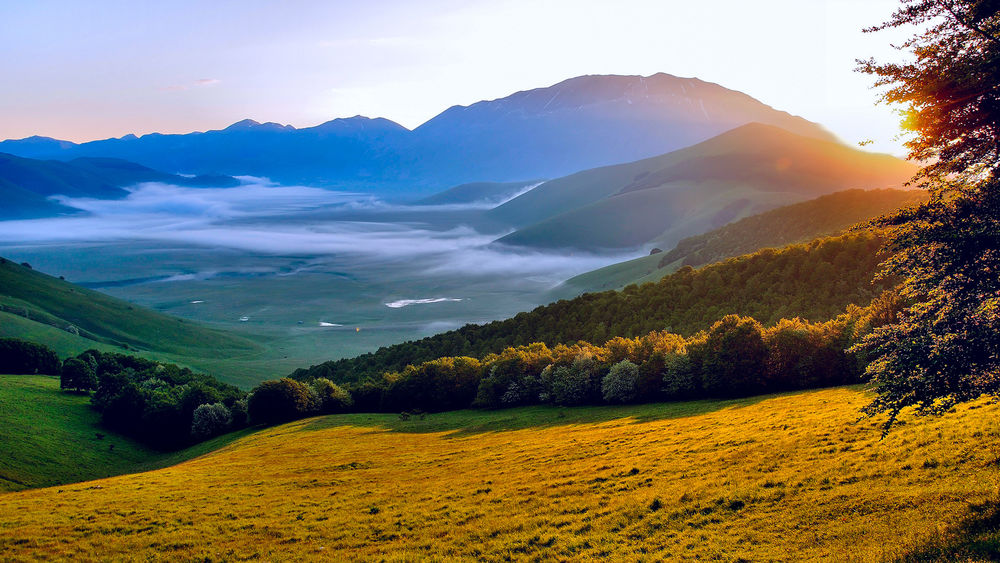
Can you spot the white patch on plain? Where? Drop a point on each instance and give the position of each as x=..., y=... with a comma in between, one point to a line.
x=407, y=302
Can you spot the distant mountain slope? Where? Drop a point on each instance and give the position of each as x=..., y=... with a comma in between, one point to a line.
x=26, y=183
x=588, y=121
x=815, y=281
x=478, y=192
x=104, y=319
x=824, y=216
x=660, y=200
x=548, y=132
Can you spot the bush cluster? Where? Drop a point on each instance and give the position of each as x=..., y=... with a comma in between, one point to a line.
x=22, y=357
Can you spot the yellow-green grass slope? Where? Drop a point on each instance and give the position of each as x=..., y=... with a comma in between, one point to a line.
x=787, y=477
x=48, y=437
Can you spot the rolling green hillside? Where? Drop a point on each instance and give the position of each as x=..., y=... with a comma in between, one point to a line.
x=50, y=438
x=815, y=281
x=102, y=319
x=824, y=216
x=742, y=172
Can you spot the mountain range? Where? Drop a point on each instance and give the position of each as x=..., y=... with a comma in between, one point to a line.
x=547, y=132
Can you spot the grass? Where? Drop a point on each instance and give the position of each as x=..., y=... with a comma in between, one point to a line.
x=104, y=319
x=50, y=437
x=791, y=476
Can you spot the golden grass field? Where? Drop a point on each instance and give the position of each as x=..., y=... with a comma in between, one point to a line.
x=785, y=477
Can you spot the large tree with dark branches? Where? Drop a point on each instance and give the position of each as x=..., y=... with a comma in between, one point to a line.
x=945, y=347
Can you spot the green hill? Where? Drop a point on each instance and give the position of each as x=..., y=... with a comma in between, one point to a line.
x=824, y=216
x=815, y=281
x=50, y=438
x=83, y=313
x=662, y=199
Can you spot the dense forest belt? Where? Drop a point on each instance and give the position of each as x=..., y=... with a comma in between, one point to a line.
x=815, y=281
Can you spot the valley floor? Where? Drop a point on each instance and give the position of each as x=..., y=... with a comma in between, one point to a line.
x=786, y=477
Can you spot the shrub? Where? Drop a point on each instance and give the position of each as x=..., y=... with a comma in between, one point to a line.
x=620, y=385
x=210, y=420
x=279, y=401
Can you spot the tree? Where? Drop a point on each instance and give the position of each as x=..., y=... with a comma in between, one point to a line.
x=332, y=398
x=21, y=356
x=943, y=348
x=731, y=357
x=951, y=88
x=77, y=374
x=280, y=401
x=210, y=420
x=620, y=385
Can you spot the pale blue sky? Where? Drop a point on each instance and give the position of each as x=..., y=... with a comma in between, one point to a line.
x=93, y=69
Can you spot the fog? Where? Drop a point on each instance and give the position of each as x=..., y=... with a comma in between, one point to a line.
x=264, y=219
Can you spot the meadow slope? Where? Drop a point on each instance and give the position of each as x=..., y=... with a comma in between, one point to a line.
x=50, y=437
x=780, y=477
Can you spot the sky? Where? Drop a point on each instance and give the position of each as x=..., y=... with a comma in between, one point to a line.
x=83, y=70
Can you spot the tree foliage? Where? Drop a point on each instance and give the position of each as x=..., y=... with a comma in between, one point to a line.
x=943, y=348
x=951, y=87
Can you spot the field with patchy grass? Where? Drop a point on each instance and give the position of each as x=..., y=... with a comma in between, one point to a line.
x=770, y=478
x=49, y=437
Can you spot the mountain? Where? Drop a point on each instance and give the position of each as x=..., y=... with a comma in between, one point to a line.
x=26, y=184
x=548, y=132
x=824, y=216
x=659, y=200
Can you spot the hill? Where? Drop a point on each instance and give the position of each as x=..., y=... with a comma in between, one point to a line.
x=52, y=438
x=26, y=184
x=546, y=132
x=659, y=200
x=45, y=300
x=815, y=281
x=483, y=193
x=768, y=478
x=792, y=224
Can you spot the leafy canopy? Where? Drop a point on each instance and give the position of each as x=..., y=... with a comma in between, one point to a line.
x=944, y=348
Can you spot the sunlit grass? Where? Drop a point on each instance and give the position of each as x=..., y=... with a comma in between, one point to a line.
x=774, y=478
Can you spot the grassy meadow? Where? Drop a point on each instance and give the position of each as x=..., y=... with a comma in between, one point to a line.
x=783, y=477
x=50, y=438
